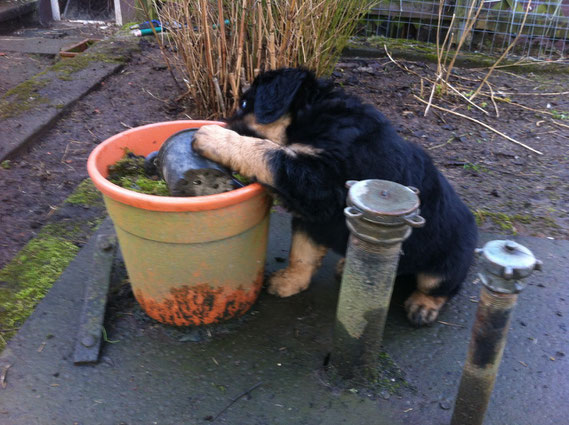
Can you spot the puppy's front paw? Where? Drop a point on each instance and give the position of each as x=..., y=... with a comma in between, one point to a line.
x=423, y=309
x=209, y=141
x=287, y=282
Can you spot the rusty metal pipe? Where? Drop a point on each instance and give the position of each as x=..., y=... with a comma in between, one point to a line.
x=504, y=264
x=380, y=215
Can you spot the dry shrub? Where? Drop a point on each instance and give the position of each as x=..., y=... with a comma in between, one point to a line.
x=221, y=45
x=473, y=9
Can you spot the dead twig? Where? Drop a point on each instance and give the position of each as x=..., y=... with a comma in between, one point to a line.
x=439, y=116
x=519, y=105
x=3, y=376
x=431, y=95
x=442, y=144
x=402, y=66
x=559, y=124
x=156, y=97
x=561, y=93
x=483, y=125
x=512, y=74
x=510, y=46
x=233, y=400
x=469, y=23
x=219, y=96
x=492, y=99
x=464, y=97
x=454, y=325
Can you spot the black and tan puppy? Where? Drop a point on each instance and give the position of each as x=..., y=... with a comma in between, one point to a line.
x=304, y=138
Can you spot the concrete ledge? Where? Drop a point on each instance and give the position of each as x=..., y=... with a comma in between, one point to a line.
x=32, y=107
x=36, y=45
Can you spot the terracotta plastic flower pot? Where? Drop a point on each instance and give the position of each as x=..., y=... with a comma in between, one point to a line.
x=191, y=261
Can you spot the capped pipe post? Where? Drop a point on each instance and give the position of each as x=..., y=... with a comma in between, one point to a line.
x=504, y=266
x=380, y=216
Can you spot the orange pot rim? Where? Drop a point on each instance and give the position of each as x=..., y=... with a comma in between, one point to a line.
x=163, y=203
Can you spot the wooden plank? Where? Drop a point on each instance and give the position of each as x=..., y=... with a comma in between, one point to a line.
x=89, y=337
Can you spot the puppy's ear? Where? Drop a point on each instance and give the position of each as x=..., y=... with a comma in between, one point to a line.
x=275, y=93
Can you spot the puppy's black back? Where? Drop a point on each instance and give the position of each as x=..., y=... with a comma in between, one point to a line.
x=351, y=140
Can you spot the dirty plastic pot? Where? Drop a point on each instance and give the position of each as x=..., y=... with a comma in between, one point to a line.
x=191, y=261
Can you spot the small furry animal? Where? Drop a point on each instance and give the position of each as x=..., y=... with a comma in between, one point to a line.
x=304, y=138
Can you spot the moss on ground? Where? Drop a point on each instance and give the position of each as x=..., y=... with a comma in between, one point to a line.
x=384, y=380
x=66, y=67
x=26, y=279
x=22, y=98
x=86, y=194
x=25, y=96
x=507, y=222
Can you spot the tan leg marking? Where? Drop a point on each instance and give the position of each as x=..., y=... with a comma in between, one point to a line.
x=423, y=309
x=246, y=155
x=427, y=282
x=305, y=258
x=299, y=148
x=275, y=131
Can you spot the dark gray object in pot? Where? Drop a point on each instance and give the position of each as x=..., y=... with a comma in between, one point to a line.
x=185, y=172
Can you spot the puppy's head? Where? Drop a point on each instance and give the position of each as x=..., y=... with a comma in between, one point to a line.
x=269, y=106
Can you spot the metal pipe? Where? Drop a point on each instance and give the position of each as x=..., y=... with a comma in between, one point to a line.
x=55, y=10
x=380, y=215
x=504, y=264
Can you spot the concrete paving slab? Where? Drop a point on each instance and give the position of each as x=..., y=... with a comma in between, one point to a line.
x=151, y=375
x=16, y=68
x=30, y=108
x=36, y=45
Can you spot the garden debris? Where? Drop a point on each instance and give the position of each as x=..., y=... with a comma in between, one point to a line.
x=233, y=400
x=3, y=375
x=482, y=124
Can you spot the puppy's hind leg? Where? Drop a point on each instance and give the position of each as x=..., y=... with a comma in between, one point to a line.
x=305, y=258
x=422, y=308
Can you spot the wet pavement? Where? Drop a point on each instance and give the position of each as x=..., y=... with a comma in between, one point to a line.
x=267, y=367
